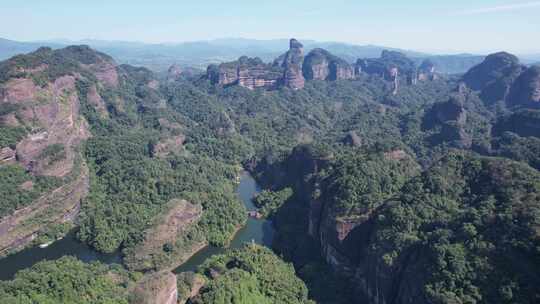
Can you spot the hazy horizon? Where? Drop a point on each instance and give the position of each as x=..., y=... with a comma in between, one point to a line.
x=477, y=27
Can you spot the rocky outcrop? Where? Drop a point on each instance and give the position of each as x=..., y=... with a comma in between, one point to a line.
x=55, y=207
x=525, y=91
x=292, y=63
x=156, y=251
x=448, y=120
x=494, y=76
x=322, y=65
x=7, y=155
x=57, y=116
x=290, y=70
x=426, y=71
x=173, y=144
x=352, y=139
x=247, y=72
x=174, y=72
x=189, y=286
x=156, y=288
x=392, y=66
x=95, y=99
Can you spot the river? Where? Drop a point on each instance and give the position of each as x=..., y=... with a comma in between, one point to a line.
x=257, y=230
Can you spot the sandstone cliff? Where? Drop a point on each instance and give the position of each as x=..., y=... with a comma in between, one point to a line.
x=247, y=72
x=170, y=240
x=392, y=66
x=322, y=65
x=292, y=63
x=42, y=96
x=494, y=76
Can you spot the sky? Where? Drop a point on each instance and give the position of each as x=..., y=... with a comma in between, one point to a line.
x=452, y=26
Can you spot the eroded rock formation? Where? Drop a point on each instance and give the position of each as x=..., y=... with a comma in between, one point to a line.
x=247, y=72
x=322, y=65
x=494, y=76
x=526, y=89
x=392, y=66
x=426, y=71
x=292, y=63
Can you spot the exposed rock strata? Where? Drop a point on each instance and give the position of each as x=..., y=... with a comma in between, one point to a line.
x=247, y=72
x=292, y=63
x=55, y=207
x=171, y=225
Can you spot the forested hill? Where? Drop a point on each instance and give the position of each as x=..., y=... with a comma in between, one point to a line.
x=367, y=166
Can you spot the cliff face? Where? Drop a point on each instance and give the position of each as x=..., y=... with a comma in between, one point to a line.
x=321, y=65
x=290, y=70
x=396, y=249
x=526, y=89
x=494, y=76
x=42, y=96
x=426, y=71
x=449, y=118
x=292, y=63
x=392, y=66
x=247, y=72
x=157, y=251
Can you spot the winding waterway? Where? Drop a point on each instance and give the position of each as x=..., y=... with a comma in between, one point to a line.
x=256, y=230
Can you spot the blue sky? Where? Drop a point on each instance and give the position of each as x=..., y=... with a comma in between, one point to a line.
x=478, y=26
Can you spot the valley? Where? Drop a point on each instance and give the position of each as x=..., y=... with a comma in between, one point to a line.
x=380, y=181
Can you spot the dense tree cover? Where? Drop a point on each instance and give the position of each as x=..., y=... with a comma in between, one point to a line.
x=130, y=185
x=525, y=149
x=357, y=182
x=269, y=201
x=253, y=274
x=10, y=136
x=473, y=224
x=13, y=196
x=67, y=280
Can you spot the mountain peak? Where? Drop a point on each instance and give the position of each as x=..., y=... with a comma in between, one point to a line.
x=295, y=44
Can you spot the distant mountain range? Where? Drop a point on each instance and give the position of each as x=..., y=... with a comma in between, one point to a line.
x=199, y=54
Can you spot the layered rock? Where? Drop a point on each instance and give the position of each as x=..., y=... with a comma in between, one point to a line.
x=58, y=206
x=247, y=72
x=7, y=155
x=322, y=65
x=42, y=94
x=494, y=76
x=525, y=91
x=61, y=126
x=156, y=251
x=292, y=63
